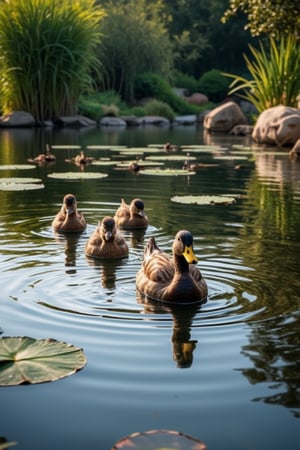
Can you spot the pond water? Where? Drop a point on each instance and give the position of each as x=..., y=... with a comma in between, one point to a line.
x=239, y=388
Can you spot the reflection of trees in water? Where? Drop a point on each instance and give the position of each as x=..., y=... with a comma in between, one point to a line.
x=183, y=345
x=274, y=350
x=269, y=243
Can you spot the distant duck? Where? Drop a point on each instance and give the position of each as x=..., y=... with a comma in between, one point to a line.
x=69, y=219
x=169, y=147
x=82, y=159
x=187, y=165
x=43, y=157
x=175, y=280
x=131, y=216
x=106, y=241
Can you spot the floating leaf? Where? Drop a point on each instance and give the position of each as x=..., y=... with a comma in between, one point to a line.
x=142, y=163
x=28, y=360
x=77, y=175
x=17, y=166
x=203, y=199
x=166, y=172
x=170, y=157
x=230, y=157
x=201, y=148
x=20, y=184
x=62, y=147
x=109, y=162
x=159, y=440
x=98, y=147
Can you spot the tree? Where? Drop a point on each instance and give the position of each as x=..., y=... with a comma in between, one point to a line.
x=134, y=40
x=271, y=17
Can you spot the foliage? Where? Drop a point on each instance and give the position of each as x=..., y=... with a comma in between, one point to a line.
x=187, y=82
x=159, y=108
x=272, y=17
x=274, y=74
x=152, y=85
x=214, y=84
x=28, y=360
x=96, y=105
x=134, y=40
x=46, y=52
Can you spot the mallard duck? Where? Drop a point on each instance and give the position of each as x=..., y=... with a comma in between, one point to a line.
x=175, y=279
x=68, y=219
x=131, y=216
x=82, y=159
x=106, y=241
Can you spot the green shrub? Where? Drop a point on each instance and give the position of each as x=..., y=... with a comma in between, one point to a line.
x=47, y=49
x=214, y=84
x=99, y=104
x=274, y=74
x=187, y=82
x=158, y=108
x=153, y=86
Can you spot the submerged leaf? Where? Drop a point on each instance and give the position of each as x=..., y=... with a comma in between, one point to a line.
x=203, y=199
x=28, y=360
x=77, y=175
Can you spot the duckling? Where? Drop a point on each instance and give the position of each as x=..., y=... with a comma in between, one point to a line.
x=175, y=279
x=131, y=216
x=43, y=157
x=82, y=159
x=170, y=147
x=68, y=219
x=106, y=241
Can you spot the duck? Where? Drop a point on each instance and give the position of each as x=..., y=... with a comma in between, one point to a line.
x=131, y=216
x=106, y=241
x=43, y=157
x=170, y=147
x=172, y=279
x=69, y=219
x=82, y=159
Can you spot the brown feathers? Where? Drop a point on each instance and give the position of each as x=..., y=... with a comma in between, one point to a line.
x=131, y=216
x=106, y=241
x=69, y=219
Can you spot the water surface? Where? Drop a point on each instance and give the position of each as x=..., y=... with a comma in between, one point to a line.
x=239, y=386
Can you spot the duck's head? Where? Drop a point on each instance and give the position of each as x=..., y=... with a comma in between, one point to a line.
x=137, y=207
x=69, y=203
x=108, y=228
x=183, y=246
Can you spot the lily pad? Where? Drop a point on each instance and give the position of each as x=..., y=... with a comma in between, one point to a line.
x=20, y=184
x=77, y=175
x=98, y=147
x=231, y=157
x=201, y=148
x=170, y=157
x=17, y=166
x=159, y=440
x=63, y=147
x=203, y=199
x=102, y=162
x=143, y=163
x=166, y=172
x=28, y=360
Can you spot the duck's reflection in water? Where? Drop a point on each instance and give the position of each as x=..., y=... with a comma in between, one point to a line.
x=107, y=269
x=182, y=345
x=70, y=241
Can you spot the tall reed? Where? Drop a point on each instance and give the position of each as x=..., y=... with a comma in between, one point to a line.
x=47, y=48
x=274, y=72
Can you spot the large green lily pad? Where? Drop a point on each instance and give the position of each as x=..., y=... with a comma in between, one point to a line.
x=77, y=175
x=159, y=440
x=203, y=199
x=166, y=172
x=63, y=147
x=20, y=184
x=28, y=360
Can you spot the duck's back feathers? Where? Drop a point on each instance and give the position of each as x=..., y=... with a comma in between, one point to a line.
x=106, y=241
x=171, y=279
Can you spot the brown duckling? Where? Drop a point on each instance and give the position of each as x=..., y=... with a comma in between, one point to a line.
x=69, y=219
x=43, y=158
x=82, y=159
x=176, y=279
x=106, y=241
x=170, y=147
x=131, y=216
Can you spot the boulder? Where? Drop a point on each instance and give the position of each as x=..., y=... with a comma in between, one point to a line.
x=75, y=121
x=190, y=119
x=112, y=122
x=279, y=125
x=224, y=117
x=241, y=130
x=17, y=119
x=155, y=120
x=197, y=99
